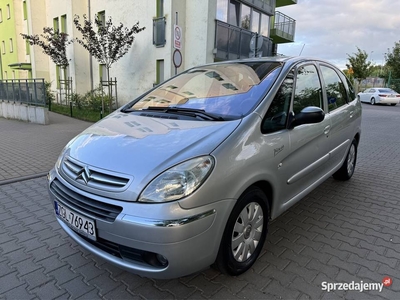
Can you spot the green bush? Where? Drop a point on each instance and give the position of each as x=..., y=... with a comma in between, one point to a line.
x=88, y=106
x=49, y=94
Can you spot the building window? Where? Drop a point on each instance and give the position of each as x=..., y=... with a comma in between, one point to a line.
x=5, y=75
x=3, y=47
x=245, y=17
x=159, y=71
x=233, y=12
x=102, y=17
x=1, y=15
x=103, y=72
x=264, y=26
x=13, y=74
x=56, y=25
x=8, y=11
x=255, y=21
x=25, y=10
x=11, y=46
x=222, y=10
x=64, y=23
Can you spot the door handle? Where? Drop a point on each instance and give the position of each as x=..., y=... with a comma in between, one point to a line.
x=351, y=114
x=327, y=129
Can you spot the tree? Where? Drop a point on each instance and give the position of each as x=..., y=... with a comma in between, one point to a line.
x=54, y=45
x=107, y=43
x=358, y=64
x=393, y=60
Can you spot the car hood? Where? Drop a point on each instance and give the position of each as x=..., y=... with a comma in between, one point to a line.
x=144, y=146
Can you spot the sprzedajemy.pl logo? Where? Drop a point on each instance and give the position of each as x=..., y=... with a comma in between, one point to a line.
x=356, y=286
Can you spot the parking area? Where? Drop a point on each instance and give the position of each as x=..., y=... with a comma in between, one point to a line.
x=342, y=232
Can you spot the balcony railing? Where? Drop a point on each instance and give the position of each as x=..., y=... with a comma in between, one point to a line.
x=232, y=42
x=284, y=29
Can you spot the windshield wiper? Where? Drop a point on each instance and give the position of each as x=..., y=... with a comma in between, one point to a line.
x=193, y=112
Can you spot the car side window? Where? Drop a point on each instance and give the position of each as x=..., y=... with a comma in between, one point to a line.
x=335, y=89
x=276, y=116
x=352, y=93
x=308, y=90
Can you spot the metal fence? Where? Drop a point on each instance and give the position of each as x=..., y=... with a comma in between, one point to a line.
x=28, y=91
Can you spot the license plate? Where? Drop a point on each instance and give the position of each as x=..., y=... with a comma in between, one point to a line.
x=76, y=221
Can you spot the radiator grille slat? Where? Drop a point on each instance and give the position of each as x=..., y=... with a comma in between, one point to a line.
x=90, y=207
x=92, y=177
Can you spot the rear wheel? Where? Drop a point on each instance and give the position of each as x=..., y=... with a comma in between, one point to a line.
x=373, y=101
x=393, y=104
x=244, y=234
x=347, y=169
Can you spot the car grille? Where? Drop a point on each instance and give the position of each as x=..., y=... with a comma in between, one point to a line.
x=90, y=177
x=86, y=205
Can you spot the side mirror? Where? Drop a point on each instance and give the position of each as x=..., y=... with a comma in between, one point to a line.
x=309, y=115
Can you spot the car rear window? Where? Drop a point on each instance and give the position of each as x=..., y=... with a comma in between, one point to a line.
x=386, y=91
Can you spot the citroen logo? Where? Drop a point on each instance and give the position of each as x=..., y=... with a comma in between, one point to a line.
x=84, y=174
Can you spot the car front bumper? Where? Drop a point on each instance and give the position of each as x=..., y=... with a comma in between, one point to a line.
x=186, y=240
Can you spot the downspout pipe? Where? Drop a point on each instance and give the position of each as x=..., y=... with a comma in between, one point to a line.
x=90, y=56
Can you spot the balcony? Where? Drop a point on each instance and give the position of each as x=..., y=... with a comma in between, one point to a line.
x=283, y=30
x=280, y=3
x=232, y=42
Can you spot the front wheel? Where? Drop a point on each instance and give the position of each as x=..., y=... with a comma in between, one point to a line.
x=393, y=104
x=347, y=169
x=244, y=234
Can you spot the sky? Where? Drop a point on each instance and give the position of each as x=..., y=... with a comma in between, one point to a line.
x=331, y=29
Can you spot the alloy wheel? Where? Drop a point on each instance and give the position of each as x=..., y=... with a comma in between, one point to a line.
x=247, y=231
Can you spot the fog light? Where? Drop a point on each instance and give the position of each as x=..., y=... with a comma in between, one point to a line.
x=162, y=260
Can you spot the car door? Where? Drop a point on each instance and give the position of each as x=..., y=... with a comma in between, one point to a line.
x=304, y=164
x=340, y=112
x=365, y=96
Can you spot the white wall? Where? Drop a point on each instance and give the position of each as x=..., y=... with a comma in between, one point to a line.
x=136, y=71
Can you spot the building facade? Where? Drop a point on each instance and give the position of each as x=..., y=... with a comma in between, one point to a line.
x=209, y=30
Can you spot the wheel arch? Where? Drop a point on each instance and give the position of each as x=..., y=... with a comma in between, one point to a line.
x=357, y=138
x=267, y=189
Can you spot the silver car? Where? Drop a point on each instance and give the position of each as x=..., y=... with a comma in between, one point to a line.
x=189, y=174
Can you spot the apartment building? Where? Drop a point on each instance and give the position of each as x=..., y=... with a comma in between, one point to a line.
x=209, y=30
x=19, y=60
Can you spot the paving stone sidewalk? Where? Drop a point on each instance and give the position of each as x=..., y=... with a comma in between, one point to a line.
x=27, y=149
x=341, y=232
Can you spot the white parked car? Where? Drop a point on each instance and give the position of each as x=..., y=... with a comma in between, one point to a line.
x=379, y=95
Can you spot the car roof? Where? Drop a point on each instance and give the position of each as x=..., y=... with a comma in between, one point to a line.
x=289, y=60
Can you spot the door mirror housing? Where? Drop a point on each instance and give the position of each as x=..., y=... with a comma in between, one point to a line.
x=308, y=115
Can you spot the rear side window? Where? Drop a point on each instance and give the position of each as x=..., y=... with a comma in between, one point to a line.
x=352, y=93
x=335, y=89
x=308, y=89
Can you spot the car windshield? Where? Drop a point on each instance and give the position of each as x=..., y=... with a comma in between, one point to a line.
x=228, y=90
x=386, y=91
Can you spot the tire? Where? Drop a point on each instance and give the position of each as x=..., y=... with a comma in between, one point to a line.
x=244, y=237
x=346, y=171
x=393, y=104
x=373, y=101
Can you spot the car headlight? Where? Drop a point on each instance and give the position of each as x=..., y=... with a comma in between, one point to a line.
x=179, y=181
